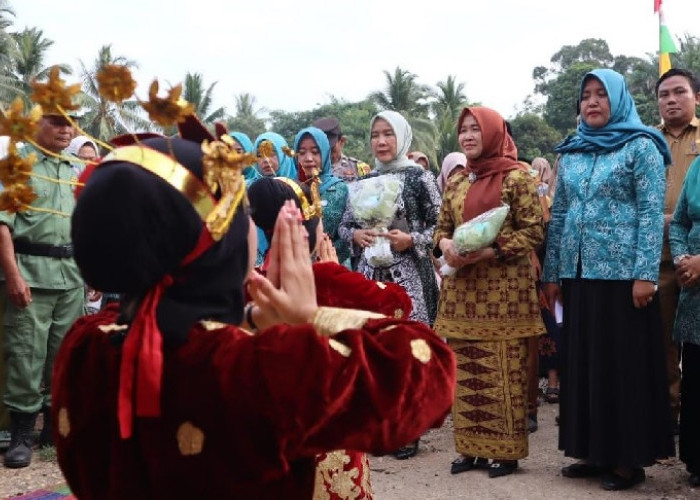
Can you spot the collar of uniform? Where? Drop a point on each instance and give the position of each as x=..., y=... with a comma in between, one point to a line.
x=27, y=149
x=694, y=123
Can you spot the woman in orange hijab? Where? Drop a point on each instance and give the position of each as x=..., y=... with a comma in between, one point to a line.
x=488, y=309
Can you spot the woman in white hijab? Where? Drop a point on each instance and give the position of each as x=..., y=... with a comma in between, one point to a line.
x=411, y=232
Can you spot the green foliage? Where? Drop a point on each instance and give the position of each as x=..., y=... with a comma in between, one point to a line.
x=246, y=119
x=194, y=92
x=545, y=117
x=354, y=121
x=534, y=137
x=449, y=102
x=101, y=118
x=560, y=82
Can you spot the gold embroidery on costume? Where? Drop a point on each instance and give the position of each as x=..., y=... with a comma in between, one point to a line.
x=63, y=422
x=420, y=350
x=190, y=439
x=365, y=483
x=381, y=285
x=112, y=327
x=398, y=313
x=340, y=348
x=209, y=325
x=331, y=477
x=332, y=320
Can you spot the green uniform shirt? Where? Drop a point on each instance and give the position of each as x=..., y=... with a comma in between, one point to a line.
x=41, y=227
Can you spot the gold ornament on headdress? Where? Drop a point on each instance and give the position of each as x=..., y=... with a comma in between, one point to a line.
x=115, y=83
x=15, y=169
x=14, y=175
x=309, y=209
x=167, y=111
x=266, y=149
x=54, y=96
x=18, y=126
x=223, y=167
x=315, y=185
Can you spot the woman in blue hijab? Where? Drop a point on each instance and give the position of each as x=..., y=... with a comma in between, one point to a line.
x=602, y=261
x=245, y=145
x=277, y=165
x=313, y=158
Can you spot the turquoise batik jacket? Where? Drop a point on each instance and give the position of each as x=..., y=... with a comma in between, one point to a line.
x=684, y=236
x=608, y=211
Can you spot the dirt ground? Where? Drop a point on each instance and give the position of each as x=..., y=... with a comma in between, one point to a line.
x=427, y=476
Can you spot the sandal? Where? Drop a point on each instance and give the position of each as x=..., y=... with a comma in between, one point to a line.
x=551, y=395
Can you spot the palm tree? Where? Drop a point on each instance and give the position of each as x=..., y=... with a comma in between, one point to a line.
x=104, y=119
x=247, y=119
x=9, y=84
x=30, y=48
x=406, y=96
x=402, y=93
x=195, y=93
x=448, y=103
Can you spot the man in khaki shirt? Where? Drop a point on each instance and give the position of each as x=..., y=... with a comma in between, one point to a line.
x=41, y=287
x=678, y=94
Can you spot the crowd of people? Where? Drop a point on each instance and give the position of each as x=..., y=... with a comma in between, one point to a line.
x=313, y=310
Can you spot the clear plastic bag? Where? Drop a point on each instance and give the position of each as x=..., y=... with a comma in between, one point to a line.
x=475, y=234
x=374, y=203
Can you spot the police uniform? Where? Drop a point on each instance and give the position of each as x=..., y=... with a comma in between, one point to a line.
x=347, y=168
x=350, y=169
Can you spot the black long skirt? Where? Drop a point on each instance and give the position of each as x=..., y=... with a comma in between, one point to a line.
x=614, y=399
x=689, y=441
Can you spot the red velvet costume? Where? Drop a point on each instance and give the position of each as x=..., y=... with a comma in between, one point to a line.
x=244, y=415
x=345, y=474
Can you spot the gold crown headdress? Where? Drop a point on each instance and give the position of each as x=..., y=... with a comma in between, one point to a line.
x=309, y=208
x=222, y=165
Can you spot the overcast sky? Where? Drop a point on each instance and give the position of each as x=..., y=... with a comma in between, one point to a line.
x=294, y=55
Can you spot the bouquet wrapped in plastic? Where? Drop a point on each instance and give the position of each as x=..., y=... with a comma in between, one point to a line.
x=374, y=202
x=475, y=234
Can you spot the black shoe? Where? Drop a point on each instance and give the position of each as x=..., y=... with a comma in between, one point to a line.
x=582, y=469
x=464, y=464
x=532, y=424
x=615, y=482
x=406, y=452
x=20, y=452
x=502, y=468
x=694, y=480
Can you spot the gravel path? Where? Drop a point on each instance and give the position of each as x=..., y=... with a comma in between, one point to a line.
x=427, y=477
